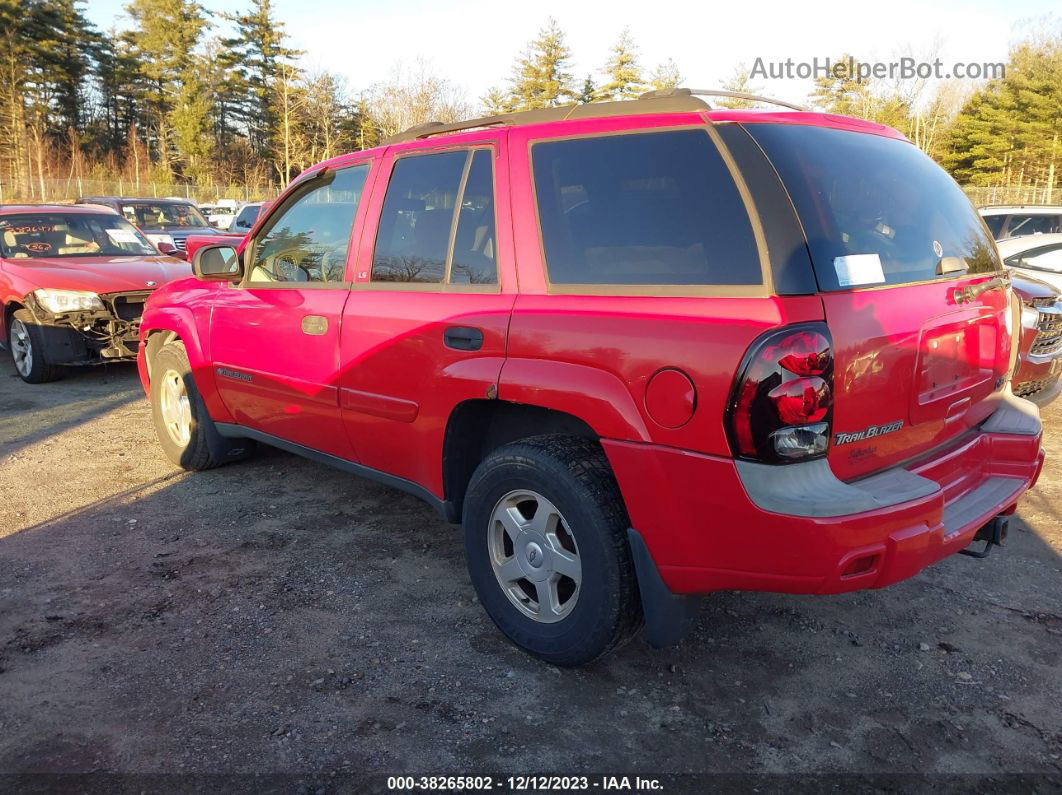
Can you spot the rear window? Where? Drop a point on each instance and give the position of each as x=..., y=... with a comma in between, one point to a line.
x=654, y=208
x=875, y=210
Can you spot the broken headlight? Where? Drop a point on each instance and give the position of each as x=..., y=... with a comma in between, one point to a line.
x=59, y=301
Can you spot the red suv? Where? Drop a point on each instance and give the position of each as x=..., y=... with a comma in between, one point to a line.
x=642, y=350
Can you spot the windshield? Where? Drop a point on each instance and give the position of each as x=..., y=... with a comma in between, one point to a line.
x=70, y=235
x=1048, y=258
x=162, y=215
x=875, y=210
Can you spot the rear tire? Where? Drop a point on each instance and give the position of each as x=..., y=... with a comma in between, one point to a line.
x=547, y=550
x=26, y=343
x=185, y=431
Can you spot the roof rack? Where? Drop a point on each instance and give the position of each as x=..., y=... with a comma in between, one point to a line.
x=708, y=92
x=669, y=100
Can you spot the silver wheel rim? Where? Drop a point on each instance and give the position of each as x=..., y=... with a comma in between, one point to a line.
x=175, y=407
x=21, y=348
x=534, y=556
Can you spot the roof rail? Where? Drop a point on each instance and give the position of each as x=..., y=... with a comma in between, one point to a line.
x=707, y=92
x=669, y=103
x=669, y=100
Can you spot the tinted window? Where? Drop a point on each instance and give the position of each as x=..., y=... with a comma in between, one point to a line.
x=474, y=244
x=162, y=215
x=418, y=213
x=875, y=210
x=248, y=215
x=308, y=241
x=1048, y=258
x=1021, y=225
x=70, y=235
x=995, y=224
x=654, y=208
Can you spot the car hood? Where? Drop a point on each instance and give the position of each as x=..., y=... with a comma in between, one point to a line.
x=100, y=274
x=1029, y=288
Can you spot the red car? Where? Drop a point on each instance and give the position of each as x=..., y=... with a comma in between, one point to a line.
x=73, y=282
x=642, y=351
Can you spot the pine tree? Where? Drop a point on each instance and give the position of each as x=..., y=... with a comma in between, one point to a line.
x=625, y=79
x=740, y=82
x=843, y=92
x=163, y=42
x=665, y=76
x=263, y=57
x=541, y=77
x=1008, y=133
x=589, y=91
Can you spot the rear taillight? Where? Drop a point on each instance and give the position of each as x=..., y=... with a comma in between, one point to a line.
x=781, y=408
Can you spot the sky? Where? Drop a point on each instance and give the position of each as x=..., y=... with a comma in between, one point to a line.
x=473, y=42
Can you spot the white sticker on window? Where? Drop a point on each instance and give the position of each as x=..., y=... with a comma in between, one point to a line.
x=856, y=270
x=122, y=236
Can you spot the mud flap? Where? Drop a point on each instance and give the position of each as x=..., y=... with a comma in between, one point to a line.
x=668, y=616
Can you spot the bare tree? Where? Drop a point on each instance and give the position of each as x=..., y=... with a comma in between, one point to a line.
x=414, y=95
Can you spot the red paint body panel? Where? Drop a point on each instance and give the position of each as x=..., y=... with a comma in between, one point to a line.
x=381, y=385
x=911, y=353
x=705, y=534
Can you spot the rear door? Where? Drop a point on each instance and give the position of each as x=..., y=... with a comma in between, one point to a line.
x=425, y=327
x=922, y=348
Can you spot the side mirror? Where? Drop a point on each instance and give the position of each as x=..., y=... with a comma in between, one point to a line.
x=217, y=264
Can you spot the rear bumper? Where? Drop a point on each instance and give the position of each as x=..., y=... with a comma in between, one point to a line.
x=706, y=531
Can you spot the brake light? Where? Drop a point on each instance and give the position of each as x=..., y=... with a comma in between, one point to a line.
x=781, y=408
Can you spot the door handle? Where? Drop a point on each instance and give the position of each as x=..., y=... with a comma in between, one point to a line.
x=462, y=338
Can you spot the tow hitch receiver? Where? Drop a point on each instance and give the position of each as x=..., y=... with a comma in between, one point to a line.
x=993, y=534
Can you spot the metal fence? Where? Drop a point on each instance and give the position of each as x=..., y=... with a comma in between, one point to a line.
x=983, y=197
x=67, y=190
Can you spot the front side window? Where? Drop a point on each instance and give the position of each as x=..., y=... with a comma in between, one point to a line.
x=657, y=208
x=1047, y=259
x=31, y=235
x=163, y=215
x=308, y=240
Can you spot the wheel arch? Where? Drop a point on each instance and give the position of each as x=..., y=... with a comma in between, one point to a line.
x=477, y=427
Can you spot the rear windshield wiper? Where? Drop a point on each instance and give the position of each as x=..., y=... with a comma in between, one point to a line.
x=969, y=293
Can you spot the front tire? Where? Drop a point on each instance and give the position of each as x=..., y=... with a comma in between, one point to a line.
x=547, y=550
x=24, y=340
x=185, y=431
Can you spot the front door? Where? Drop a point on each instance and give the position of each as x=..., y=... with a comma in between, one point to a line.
x=275, y=336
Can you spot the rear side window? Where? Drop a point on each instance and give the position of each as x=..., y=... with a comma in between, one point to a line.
x=875, y=210
x=655, y=208
x=437, y=223
x=1021, y=225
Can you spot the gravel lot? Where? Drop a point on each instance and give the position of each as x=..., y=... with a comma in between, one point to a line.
x=277, y=616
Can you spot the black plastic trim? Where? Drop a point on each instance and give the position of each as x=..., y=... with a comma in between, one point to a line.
x=669, y=617
x=787, y=248
x=444, y=507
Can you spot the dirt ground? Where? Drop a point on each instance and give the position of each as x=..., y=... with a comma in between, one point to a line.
x=277, y=616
